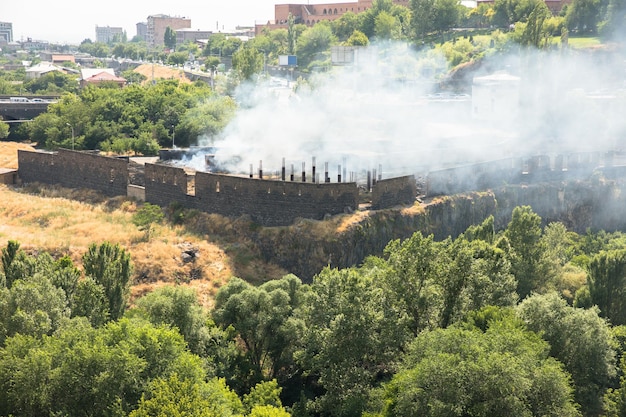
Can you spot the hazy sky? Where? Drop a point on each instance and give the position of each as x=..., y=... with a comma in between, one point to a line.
x=72, y=20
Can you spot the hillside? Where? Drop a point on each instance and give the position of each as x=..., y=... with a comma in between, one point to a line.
x=161, y=72
x=66, y=222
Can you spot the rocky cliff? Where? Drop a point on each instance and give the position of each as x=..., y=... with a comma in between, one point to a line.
x=308, y=246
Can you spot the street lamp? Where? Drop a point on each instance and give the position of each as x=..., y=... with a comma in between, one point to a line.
x=173, y=133
x=72, y=127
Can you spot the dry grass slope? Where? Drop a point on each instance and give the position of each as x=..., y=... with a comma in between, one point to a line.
x=66, y=222
x=160, y=72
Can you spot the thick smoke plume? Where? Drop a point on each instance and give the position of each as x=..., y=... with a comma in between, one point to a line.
x=391, y=110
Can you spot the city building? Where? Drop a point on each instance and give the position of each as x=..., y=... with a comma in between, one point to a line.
x=56, y=58
x=100, y=75
x=41, y=69
x=157, y=24
x=142, y=30
x=108, y=34
x=35, y=45
x=310, y=14
x=6, y=32
x=191, y=35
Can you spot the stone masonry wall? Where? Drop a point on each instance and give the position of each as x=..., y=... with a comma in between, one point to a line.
x=394, y=191
x=73, y=169
x=166, y=184
x=272, y=203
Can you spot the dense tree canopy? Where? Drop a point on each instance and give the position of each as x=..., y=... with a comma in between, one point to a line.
x=429, y=327
x=458, y=372
x=138, y=118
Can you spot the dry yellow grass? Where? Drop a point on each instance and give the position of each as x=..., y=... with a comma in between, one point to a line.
x=8, y=153
x=62, y=226
x=48, y=221
x=160, y=72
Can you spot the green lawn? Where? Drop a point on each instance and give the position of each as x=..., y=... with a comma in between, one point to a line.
x=581, y=42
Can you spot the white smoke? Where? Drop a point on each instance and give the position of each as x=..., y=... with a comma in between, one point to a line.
x=384, y=112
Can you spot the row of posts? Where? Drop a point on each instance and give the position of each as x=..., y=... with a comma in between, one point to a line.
x=372, y=177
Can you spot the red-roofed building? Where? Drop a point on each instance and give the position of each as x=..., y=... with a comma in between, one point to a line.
x=102, y=77
x=310, y=14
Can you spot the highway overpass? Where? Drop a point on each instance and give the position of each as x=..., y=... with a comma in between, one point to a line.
x=17, y=108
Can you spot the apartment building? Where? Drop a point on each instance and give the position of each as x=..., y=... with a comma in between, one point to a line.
x=6, y=32
x=310, y=14
x=157, y=24
x=107, y=34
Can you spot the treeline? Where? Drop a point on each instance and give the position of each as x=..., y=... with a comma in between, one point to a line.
x=526, y=321
x=138, y=118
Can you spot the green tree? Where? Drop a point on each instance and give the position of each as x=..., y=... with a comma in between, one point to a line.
x=614, y=25
x=357, y=38
x=346, y=25
x=110, y=266
x=12, y=271
x=178, y=307
x=579, y=339
x=32, y=306
x=90, y=301
x=169, y=38
x=583, y=15
x=446, y=14
x=266, y=393
x=524, y=234
x=263, y=318
x=458, y=372
x=247, y=62
x=351, y=339
x=534, y=32
x=607, y=284
x=177, y=58
x=174, y=396
x=314, y=45
x=422, y=17
x=386, y=26
x=208, y=119
x=4, y=130
x=508, y=12
x=147, y=217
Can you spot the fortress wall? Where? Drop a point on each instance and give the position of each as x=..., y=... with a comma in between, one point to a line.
x=74, y=169
x=101, y=173
x=394, y=191
x=272, y=203
x=165, y=184
x=37, y=166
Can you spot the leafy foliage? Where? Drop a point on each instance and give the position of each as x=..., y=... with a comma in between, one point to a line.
x=110, y=266
x=502, y=371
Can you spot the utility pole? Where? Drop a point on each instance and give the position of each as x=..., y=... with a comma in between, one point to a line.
x=71, y=127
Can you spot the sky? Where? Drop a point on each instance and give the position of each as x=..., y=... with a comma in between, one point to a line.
x=72, y=21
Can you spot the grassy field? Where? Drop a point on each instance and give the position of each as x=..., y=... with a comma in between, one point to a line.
x=66, y=222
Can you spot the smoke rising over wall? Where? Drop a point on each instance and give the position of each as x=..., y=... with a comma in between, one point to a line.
x=389, y=111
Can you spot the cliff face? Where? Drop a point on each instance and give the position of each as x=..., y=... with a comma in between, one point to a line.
x=308, y=246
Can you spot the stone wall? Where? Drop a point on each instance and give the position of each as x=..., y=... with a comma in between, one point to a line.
x=166, y=184
x=272, y=203
x=394, y=191
x=74, y=169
